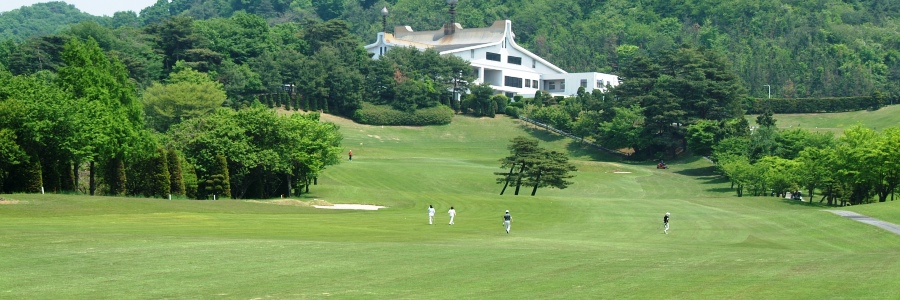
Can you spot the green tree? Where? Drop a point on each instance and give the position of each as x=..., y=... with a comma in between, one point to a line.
x=176, y=179
x=188, y=94
x=108, y=118
x=624, y=130
x=551, y=170
x=522, y=152
x=537, y=167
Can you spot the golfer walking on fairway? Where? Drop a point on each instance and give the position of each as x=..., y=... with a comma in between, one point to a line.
x=452, y=213
x=507, y=221
x=430, y=214
x=666, y=223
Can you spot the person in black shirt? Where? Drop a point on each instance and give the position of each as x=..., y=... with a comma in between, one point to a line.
x=507, y=220
x=666, y=223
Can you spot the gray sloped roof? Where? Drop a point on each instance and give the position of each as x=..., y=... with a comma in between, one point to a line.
x=460, y=38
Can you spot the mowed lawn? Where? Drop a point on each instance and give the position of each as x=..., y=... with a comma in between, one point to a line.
x=601, y=238
x=836, y=123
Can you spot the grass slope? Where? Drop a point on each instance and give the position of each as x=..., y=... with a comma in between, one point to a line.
x=838, y=122
x=598, y=239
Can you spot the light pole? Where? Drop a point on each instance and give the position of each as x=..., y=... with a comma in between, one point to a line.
x=770, y=90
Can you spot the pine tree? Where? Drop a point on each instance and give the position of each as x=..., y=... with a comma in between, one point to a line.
x=176, y=179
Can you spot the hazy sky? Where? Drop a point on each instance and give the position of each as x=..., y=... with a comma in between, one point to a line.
x=94, y=7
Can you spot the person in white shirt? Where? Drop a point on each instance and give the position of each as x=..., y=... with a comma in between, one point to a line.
x=452, y=213
x=430, y=215
x=666, y=223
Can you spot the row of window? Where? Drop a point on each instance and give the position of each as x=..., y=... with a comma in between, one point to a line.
x=551, y=85
x=517, y=82
x=600, y=83
x=509, y=59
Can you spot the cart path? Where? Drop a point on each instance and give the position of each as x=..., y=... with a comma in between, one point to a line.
x=868, y=220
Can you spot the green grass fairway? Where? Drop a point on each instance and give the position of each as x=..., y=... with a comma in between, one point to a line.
x=599, y=239
x=838, y=122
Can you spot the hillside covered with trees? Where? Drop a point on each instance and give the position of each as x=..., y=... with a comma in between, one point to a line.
x=814, y=48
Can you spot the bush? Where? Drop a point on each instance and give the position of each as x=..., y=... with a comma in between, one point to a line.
x=512, y=111
x=385, y=115
x=815, y=105
x=500, y=101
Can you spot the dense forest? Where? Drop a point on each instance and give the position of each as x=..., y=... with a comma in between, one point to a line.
x=795, y=48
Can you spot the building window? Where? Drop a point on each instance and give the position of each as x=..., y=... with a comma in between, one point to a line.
x=492, y=56
x=514, y=60
x=552, y=85
x=512, y=81
x=510, y=95
x=472, y=53
x=600, y=84
x=534, y=84
x=584, y=83
x=532, y=62
x=562, y=85
x=527, y=83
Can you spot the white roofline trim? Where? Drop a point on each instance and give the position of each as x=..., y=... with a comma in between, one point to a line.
x=508, y=33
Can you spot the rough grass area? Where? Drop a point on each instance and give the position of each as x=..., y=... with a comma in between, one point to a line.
x=601, y=238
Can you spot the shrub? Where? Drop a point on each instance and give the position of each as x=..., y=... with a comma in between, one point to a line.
x=501, y=101
x=815, y=105
x=512, y=111
x=385, y=115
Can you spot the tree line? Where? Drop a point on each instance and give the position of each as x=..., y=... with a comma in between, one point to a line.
x=87, y=119
x=857, y=168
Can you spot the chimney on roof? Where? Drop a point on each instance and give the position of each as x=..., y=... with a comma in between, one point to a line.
x=451, y=28
x=384, y=13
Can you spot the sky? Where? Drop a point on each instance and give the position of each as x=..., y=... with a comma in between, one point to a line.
x=94, y=7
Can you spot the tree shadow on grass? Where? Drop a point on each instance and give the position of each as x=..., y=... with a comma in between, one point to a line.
x=540, y=133
x=585, y=150
x=709, y=171
x=721, y=190
x=807, y=204
x=574, y=147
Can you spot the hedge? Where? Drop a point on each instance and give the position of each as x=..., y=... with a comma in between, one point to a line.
x=385, y=115
x=815, y=105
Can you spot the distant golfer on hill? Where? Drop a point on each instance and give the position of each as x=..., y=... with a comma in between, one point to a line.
x=430, y=214
x=507, y=221
x=666, y=223
x=452, y=213
x=350, y=153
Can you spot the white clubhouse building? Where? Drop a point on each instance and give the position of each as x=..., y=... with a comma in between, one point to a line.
x=496, y=58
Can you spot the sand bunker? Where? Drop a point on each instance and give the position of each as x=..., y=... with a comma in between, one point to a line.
x=621, y=172
x=350, y=206
x=8, y=201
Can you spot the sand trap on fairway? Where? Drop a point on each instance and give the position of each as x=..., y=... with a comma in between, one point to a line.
x=8, y=201
x=350, y=206
x=621, y=172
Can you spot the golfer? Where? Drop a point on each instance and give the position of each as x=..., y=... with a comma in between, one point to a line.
x=430, y=215
x=452, y=213
x=350, y=153
x=666, y=223
x=507, y=221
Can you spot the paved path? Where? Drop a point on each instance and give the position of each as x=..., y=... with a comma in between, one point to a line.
x=868, y=220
